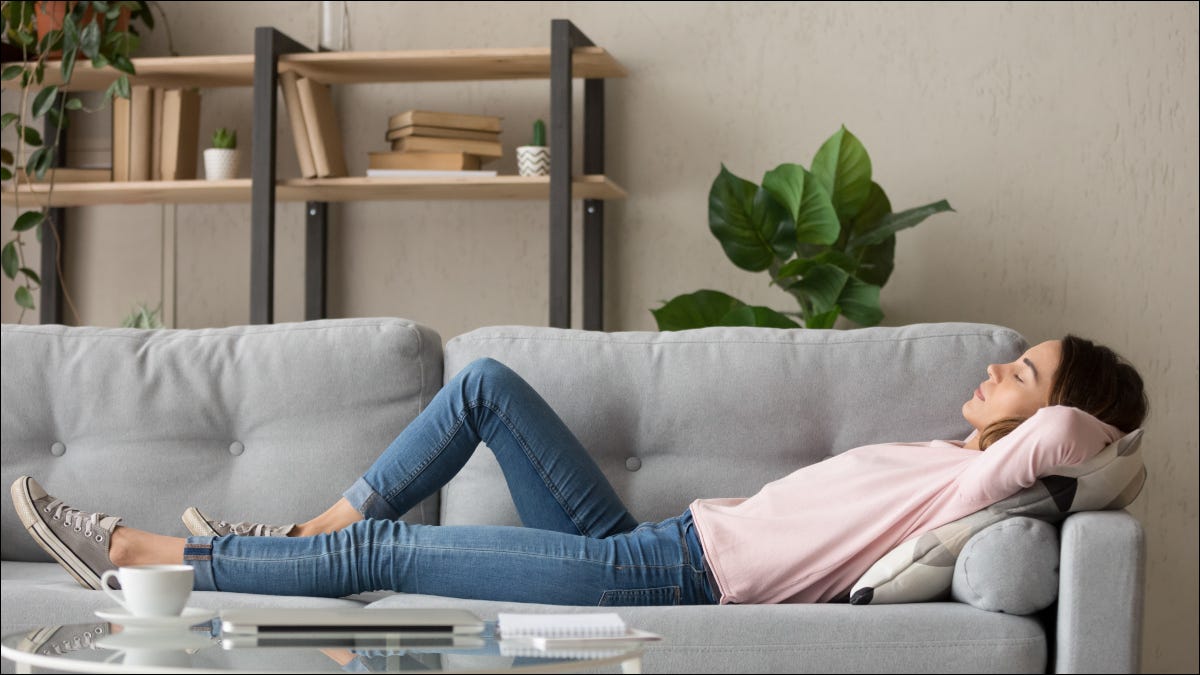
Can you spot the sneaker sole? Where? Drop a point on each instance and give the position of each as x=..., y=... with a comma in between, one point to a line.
x=196, y=524
x=46, y=539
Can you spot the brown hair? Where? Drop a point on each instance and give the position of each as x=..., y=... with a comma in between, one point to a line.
x=1094, y=379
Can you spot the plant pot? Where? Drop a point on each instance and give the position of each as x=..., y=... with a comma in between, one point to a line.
x=533, y=160
x=49, y=16
x=220, y=164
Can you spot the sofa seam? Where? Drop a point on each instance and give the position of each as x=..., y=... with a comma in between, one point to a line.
x=552, y=338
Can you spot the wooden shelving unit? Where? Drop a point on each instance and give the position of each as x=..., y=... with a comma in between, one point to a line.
x=571, y=55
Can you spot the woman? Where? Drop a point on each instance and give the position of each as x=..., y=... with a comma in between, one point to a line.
x=806, y=537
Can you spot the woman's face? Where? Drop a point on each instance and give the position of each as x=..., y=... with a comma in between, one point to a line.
x=1016, y=389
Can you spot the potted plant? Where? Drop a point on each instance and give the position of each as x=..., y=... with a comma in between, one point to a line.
x=534, y=159
x=144, y=317
x=827, y=237
x=221, y=160
x=33, y=34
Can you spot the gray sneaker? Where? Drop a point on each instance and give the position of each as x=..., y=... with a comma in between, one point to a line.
x=78, y=540
x=201, y=525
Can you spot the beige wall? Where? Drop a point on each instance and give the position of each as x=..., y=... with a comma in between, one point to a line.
x=1065, y=136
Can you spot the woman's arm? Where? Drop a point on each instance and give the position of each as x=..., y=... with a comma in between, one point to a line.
x=1055, y=436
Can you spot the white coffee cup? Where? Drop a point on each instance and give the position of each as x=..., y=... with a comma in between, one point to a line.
x=151, y=590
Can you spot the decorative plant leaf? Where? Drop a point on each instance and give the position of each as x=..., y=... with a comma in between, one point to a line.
x=10, y=72
x=752, y=227
x=31, y=135
x=894, y=222
x=695, y=310
x=800, y=266
x=89, y=40
x=875, y=266
x=822, y=285
x=9, y=260
x=823, y=320
x=24, y=298
x=860, y=302
x=818, y=222
x=28, y=220
x=843, y=168
x=763, y=317
x=786, y=184
x=33, y=276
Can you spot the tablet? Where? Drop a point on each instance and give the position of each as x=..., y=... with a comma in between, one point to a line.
x=400, y=620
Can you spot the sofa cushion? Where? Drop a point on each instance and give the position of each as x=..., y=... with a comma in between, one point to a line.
x=719, y=412
x=828, y=638
x=1010, y=567
x=922, y=568
x=268, y=423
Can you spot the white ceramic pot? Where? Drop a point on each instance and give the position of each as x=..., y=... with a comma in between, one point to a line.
x=533, y=160
x=220, y=163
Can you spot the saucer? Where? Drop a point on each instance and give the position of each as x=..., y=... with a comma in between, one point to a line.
x=189, y=617
x=127, y=640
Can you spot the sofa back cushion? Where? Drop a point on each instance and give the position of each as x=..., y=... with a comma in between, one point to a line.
x=719, y=412
x=268, y=423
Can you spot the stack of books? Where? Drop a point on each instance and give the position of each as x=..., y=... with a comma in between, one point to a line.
x=156, y=134
x=426, y=143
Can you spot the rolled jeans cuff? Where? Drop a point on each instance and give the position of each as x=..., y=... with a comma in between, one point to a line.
x=367, y=501
x=197, y=552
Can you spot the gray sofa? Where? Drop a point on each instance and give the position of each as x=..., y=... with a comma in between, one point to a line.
x=273, y=422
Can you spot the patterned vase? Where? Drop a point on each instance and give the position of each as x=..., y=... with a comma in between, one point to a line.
x=533, y=160
x=220, y=164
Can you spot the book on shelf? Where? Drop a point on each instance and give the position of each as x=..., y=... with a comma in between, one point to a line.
x=324, y=136
x=427, y=173
x=156, y=129
x=442, y=132
x=442, y=161
x=141, y=131
x=486, y=149
x=63, y=174
x=291, y=100
x=180, y=134
x=444, y=120
x=120, y=139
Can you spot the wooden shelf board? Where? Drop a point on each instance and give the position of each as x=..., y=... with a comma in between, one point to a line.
x=445, y=65
x=442, y=65
x=311, y=189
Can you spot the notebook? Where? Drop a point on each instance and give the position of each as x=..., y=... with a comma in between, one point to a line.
x=293, y=621
x=559, y=632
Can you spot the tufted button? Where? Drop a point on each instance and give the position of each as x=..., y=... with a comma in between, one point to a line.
x=58, y=449
x=236, y=448
x=633, y=464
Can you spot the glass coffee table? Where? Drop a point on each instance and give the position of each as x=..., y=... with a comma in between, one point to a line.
x=102, y=647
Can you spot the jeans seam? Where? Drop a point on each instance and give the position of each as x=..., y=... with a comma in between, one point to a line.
x=420, y=468
x=537, y=466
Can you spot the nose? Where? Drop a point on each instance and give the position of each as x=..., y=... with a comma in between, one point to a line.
x=991, y=371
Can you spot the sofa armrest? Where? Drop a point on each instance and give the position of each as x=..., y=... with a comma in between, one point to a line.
x=1101, y=594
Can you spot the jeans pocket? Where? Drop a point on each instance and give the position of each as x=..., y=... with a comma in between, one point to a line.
x=640, y=597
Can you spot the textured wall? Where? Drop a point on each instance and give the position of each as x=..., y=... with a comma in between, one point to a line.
x=1065, y=136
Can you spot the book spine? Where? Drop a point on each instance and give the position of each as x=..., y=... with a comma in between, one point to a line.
x=447, y=120
x=424, y=144
x=156, y=149
x=320, y=119
x=141, y=131
x=120, y=139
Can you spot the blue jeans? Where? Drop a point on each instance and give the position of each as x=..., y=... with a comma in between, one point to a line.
x=578, y=546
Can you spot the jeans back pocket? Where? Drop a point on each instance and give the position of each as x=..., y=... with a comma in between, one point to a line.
x=641, y=597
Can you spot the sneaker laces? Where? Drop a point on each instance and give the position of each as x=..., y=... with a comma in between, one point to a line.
x=248, y=529
x=82, y=520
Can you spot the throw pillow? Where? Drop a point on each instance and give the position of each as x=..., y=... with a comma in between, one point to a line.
x=1009, y=567
x=922, y=568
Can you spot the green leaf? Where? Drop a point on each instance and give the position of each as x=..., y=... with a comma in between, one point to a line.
x=33, y=276
x=44, y=101
x=31, y=135
x=801, y=266
x=89, y=40
x=74, y=104
x=5, y=174
x=9, y=259
x=786, y=184
x=122, y=62
x=7, y=119
x=24, y=297
x=695, y=310
x=11, y=72
x=6, y=157
x=763, y=317
x=876, y=264
x=818, y=222
x=877, y=207
x=68, y=63
x=28, y=221
x=860, y=302
x=824, y=320
x=122, y=85
x=39, y=162
x=822, y=285
x=843, y=168
x=752, y=227
x=894, y=222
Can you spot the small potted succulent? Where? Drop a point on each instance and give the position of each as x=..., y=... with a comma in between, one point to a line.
x=221, y=160
x=534, y=159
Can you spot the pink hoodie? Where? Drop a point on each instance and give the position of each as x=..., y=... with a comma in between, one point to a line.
x=810, y=535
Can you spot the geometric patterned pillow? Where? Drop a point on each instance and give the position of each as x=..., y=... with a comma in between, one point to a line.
x=922, y=568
